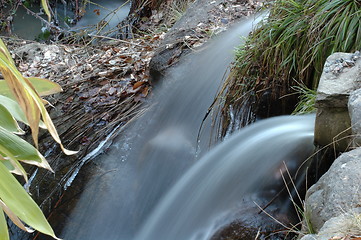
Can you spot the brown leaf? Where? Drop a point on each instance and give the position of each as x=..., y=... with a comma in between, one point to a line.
x=69, y=99
x=145, y=91
x=137, y=84
x=83, y=96
x=97, y=11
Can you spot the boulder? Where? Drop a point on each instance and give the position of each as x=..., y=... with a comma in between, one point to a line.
x=354, y=108
x=340, y=227
x=341, y=76
x=334, y=202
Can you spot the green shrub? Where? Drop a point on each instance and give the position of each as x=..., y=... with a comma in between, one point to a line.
x=289, y=47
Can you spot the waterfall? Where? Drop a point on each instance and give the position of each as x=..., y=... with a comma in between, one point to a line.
x=151, y=178
x=245, y=162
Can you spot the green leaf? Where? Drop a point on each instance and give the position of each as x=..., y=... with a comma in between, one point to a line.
x=8, y=122
x=42, y=86
x=20, y=203
x=22, y=150
x=18, y=168
x=14, y=218
x=14, y=108
x=4, y=235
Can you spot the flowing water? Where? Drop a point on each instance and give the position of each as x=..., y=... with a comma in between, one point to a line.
x=246, y=162
x=126, y=193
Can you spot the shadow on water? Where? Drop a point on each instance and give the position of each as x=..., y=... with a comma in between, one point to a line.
x=127, y=196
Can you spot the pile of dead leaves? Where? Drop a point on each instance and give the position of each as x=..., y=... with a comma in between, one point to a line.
x=102, y=85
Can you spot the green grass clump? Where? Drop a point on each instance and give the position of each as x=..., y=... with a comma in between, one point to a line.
x=287, y=49
x=307, y=99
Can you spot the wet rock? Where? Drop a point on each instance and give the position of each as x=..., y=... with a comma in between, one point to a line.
x=251, y=223
x=336, y=194
x=341, y=76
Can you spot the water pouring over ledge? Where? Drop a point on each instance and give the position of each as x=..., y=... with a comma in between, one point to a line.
x=154, y=152
x=217, y=182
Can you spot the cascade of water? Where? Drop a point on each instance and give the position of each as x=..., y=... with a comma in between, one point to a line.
x=156, y=150
x=217, y=182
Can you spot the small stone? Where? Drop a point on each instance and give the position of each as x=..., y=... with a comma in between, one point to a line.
x=112, y=62
x=224, y=21
x=103, y=74
x=112, y=91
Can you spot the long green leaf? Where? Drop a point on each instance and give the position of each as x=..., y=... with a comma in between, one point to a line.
x=44, y=4
x=18, y=168
x=14, y=108
x=14, y=218
x=21, y=149
x=4, y=235
x=20, y=203
x=42, y=86
x=8, y=122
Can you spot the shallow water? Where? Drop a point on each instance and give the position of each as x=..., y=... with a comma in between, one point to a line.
x=26, y=26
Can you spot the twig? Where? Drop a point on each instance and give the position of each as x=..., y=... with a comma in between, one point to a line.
x=49, y=24
x=115, y=39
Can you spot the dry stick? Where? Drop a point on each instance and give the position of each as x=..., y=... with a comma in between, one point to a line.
x=289, y=192
x=103, y=20
x=116, y=39
x=269, y=215
x=272, y=200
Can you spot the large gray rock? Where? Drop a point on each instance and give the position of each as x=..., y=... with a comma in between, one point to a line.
x=341, y=76
x=347, y=224
x=336, y=195
x=354, y=107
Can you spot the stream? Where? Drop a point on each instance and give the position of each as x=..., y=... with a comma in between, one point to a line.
x=163, y=180
x=151, y=186
x=157, y=149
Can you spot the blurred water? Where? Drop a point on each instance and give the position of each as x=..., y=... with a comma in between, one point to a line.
x=157, y=149
x=246, y=162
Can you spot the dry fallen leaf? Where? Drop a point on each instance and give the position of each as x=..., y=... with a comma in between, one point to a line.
x=137, y=84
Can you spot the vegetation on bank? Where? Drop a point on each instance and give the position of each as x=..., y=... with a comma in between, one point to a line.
x=287, y=49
